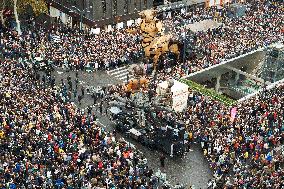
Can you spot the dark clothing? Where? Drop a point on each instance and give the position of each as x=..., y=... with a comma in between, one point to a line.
x=83, y=91
x=89, y=109
x=94, y=96
x=79, y=99
x=162, y=161
x=101, y=108
x=76, y=83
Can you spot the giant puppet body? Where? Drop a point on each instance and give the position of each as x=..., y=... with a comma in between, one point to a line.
x=155, y=42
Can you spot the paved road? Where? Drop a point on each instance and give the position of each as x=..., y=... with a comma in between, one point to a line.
x=193, y=169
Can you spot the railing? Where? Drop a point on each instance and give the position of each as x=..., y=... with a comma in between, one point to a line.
x=209, y=92
x=278, y=83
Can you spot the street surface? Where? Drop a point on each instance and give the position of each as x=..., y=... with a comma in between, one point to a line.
x=193, y=169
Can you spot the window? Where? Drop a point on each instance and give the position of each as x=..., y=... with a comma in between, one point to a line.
x=135, y=4
x=126, y=6
x=145, y=3
x=114, y=7
x=104, y=7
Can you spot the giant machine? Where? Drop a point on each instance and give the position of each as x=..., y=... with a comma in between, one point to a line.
x=155, y=41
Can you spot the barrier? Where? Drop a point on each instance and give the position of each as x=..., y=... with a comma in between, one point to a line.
x=278, y=83
x=222, y=63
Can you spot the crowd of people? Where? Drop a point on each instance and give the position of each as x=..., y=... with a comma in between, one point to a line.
x=46, y=142
x=72, y=49
x=95, y=50
x=260, y=26
x=245, y=151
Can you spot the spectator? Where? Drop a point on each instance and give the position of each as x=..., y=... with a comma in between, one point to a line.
x=48, y=143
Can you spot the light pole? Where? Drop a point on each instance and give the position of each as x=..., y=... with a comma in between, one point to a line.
x=81, y=18
x=183, y=56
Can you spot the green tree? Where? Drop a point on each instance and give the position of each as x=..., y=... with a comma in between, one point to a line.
x=2, y=8
x=4, y=4
x=38, y=6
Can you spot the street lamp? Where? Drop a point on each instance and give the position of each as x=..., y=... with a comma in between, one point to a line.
x=184, y=40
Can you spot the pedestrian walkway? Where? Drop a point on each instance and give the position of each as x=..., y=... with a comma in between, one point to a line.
x=120, y=73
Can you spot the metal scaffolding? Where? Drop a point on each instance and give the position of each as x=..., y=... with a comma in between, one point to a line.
x=273, y=67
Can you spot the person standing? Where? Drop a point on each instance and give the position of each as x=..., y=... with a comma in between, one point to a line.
x=102, y=93
x=79, y=99
x=106, y=110
x=76, y=83
x=75, y=93
x=94, y=96
x=70, y=84
x=162, y=160
x=89, y=110
x=101, y=107
x=83, y=91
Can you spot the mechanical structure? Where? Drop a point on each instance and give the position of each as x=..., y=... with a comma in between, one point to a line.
x=154, y=41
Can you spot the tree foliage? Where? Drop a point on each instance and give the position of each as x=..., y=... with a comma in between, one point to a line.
x=2, y=7
x=4, y=4
x=38, y=6
x=209, y=92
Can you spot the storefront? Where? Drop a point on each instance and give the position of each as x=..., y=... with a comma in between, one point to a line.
x=63, y=17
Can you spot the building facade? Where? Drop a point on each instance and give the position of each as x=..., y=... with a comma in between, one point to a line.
x=101, y=12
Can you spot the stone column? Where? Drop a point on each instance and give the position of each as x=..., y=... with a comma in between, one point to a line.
x=217, y=86
x=237, y=77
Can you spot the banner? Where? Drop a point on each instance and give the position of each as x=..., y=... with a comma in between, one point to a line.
x=211, y=3
x=95, y=30
x=233, y=113
x=54, y=12
x=129, y=22
x=119, y=25
x=108, y=28
x=138, y=21
x=179, y=94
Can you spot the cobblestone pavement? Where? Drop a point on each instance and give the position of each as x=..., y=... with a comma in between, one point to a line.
x=192, y=169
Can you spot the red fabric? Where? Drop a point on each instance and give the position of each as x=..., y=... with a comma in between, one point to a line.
x=100, y=165
x=75, y=157
x=275, y=115
x=56, y=148
x=251, y=146
x=49, y=137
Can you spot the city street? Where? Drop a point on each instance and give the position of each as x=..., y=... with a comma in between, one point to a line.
x=144, y=94
x=193, y=169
